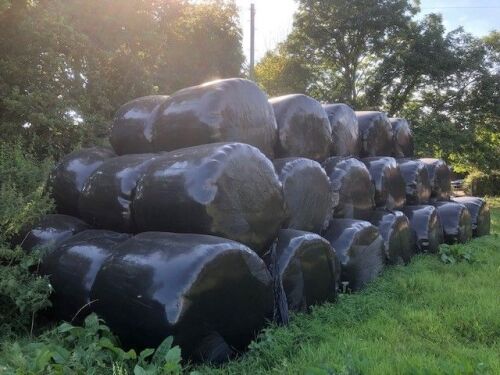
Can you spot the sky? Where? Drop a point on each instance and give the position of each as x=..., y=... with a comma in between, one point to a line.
x=274, y=19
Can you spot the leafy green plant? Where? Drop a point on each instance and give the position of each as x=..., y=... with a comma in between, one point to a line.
x=456, y=253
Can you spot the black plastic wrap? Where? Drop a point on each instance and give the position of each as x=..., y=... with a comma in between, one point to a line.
x=360, y=249
x=439, y=177
x=352, y=187
x=307, y=193
x=402, y=138
x=426, y=226
x=132, y=131
x=213, y=295
x=67, y=179
x=456, y=221
x=225, y=189
x=480, y=214
x=399, y=239
x=303, y=127
x=376, y=134
x=49, y=231
x=416, y=177
x=227, y=110
x=106, y=199
x=390, y=187
x=345, y=131
x=72, y=269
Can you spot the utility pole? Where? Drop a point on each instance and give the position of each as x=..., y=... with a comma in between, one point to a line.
x=252, y=41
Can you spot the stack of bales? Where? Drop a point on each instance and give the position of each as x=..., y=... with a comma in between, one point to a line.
x=219, y=210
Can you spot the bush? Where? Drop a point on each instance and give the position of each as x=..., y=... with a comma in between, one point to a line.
x=481, y=184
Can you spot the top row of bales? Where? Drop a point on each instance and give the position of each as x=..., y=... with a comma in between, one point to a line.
x=236, y=110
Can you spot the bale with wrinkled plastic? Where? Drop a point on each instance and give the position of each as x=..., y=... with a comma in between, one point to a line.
x=456, y=221
x=345, y=132
x=72, y=269
x=226, y=110
x=303, y=127
x=402, y=138
x=426, y=226
x=480, y=214
x=352, y=188
x=399, y=239
x=307, y=193
x=359, y=248
x=439, y=177
x=225, y=189
x=67, y=179
x=416, y=177
x=132, y=131
x=390, y=187
x=211, y=294
x=106, y=199
x=376, y=134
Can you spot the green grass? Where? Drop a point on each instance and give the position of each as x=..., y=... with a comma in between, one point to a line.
x=426, y=318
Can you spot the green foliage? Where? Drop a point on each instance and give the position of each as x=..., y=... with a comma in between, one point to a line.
x=481, y=184
x=456, y=253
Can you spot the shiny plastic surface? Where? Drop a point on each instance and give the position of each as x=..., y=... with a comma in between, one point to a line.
x=399, y=239
x=390, y=187
x=480, y=214
x=213, y=295
x=67, y=179
x=426, y=226
x=225, y=189
x=376, y=134
x=402, y=138
x=345, y=132
x=227, y=110
x=307, y=193
x=439, y=177
x=303, y=127
x=132, y=131
x=106, y=199
x=360, y=249
x=416, y=177
x=456, y=221
x=352, y=187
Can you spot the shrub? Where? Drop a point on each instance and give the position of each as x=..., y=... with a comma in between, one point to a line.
x=481, y=184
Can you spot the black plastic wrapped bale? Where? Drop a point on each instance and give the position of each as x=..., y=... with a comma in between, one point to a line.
x=352, y=187
x=376, y=134
x=480, y=214
x=360, y=249
x=426, y=226
x=402, y=138
x=106, y=199
x=225, y=189
x=418, y=185
x=49, y=231
x=227, y=110
x=439, y=177
x=303, y=127
x=399, y=239
x=67, y=179
x=72, y=269
x=345, y=131
x=390, y=187
x=307, y=193
x=209, y=293
x=456, y=221
x=132, y=131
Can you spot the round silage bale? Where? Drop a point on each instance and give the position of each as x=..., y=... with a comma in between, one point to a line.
x=307, y=193
x=303, y=127
x=376, y=133
x=67, y=179
x=416, y=177
x=426, y=226
x=480, y=214
x=345, y=132
x=456, y=221
x=402, y=138
x=439, y=177
x=211, y=294
x=226, y=110
x=359, y=248
x=225, y=189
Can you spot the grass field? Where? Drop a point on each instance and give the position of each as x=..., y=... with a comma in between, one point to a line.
x=429, y=317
